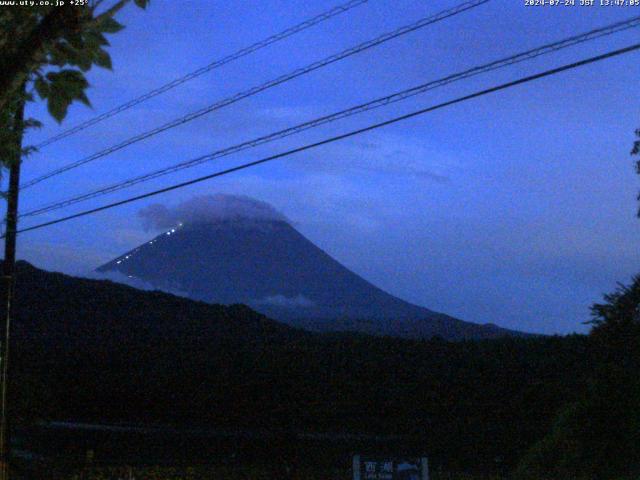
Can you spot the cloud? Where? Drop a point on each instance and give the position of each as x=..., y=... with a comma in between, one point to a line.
x=208, y=209
x=390, y=156
x=286, y=302
x=135, y=282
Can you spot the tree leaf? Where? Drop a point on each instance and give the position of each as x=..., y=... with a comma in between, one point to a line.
x=110, y=25
x=32, y=123
x=65, y=87
x=84, y=60
x=84, y=99
x=103, y=59
x=57, y=107
x=95, y=39
x=42, y=87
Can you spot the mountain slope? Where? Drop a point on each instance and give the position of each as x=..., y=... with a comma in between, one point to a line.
x=83, y=314
x=270, y=266
x=96, y=351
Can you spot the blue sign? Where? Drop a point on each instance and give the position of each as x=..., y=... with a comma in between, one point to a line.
x=366, y=468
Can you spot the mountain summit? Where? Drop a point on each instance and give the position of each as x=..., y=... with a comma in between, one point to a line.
x=258, y=259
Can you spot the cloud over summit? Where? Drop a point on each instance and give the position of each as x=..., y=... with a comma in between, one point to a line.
x=208, y=209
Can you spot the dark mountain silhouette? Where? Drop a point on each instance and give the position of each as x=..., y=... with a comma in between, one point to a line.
x=268, y=265
x=86, y=314
x=98, y=351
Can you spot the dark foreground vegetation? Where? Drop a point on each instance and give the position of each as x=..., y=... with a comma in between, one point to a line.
x=536, y=407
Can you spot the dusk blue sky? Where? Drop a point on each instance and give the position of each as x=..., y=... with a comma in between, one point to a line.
x=517, y=208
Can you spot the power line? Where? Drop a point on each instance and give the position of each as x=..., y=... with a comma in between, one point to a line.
x=389, y=99
x=343, y=136
x=207, y=68
x=265, y=86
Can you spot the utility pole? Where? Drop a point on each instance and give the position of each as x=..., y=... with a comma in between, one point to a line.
x=8, y=277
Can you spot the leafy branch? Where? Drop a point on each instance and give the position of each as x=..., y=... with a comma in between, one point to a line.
x=48, y=50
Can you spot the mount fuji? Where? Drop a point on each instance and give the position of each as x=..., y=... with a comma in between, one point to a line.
x=254, y=256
